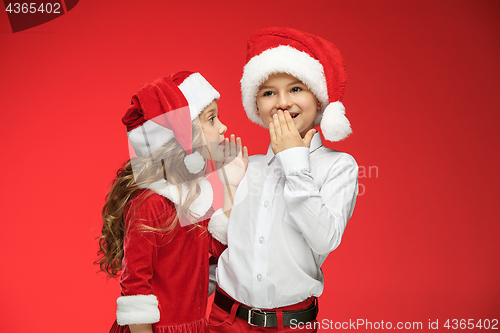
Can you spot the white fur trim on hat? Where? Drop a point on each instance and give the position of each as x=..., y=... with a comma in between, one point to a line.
x=194, y=162
x=334, y=124
x=218, y=226
x=137, y=309
x=281, y=59
x=198, y=92
x=149, y=137
x=199, y=207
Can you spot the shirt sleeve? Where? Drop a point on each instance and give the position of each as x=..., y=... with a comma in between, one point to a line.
x=139, y=304
x=320, y=212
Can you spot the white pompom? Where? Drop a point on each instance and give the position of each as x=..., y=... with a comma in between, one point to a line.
x=194, y=162
x=334, y=124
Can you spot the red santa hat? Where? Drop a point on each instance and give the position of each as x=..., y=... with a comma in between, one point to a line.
x=164, y=109
x=311, y=59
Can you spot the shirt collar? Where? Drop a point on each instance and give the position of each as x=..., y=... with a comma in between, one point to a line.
x=315, y=144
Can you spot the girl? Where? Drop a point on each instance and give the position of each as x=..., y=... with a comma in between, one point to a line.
x=157, y=213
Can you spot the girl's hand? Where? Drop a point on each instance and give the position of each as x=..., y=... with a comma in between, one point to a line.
x=285, y=135
x=141, y=328
x=235, y=162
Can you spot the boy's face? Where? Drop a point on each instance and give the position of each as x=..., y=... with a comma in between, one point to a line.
x=213, y=132
x=285, y=92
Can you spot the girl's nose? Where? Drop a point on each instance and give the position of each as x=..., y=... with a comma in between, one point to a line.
x=223, y=129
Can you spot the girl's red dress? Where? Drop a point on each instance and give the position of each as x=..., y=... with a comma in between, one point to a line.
x=171, y=267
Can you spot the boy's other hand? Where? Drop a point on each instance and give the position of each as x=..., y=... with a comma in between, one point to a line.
x=285, y=135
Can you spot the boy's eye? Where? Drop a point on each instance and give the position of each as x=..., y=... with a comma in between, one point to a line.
x=211, y=118
x=268, y=93
x=296, y=89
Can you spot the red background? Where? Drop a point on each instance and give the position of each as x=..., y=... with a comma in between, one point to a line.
x=422, y=97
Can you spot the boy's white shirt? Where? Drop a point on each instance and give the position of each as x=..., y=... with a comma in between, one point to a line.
x=290, y=211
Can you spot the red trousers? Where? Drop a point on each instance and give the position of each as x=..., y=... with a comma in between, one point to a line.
x=222, y=322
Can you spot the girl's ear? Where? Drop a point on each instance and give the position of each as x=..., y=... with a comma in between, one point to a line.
x=258, y=112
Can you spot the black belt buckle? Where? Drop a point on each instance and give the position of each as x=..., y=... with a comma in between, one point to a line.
x=251, y=314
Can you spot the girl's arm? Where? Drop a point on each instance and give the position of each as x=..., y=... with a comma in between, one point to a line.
x=138, y=304
x=231, y=173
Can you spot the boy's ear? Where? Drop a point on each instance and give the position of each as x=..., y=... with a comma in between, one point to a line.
x=258, y=112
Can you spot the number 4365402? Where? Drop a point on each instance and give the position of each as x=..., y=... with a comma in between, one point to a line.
x=32, y=8
x=471, y=324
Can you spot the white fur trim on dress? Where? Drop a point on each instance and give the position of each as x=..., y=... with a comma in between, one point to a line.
x=334, y=124
x=217, y=226
x=198, y=92
x=199, y=207
x=137, y=309
x=194, y=162
x=149, y=137
x=282, y=59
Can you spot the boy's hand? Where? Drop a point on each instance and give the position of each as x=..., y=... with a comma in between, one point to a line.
x=285, y=135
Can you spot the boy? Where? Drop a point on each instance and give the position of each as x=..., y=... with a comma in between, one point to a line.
x=293, y=204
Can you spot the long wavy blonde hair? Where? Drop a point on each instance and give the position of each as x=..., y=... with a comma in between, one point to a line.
x=136, y=174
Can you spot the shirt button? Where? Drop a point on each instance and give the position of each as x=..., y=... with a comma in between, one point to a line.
x=259, y=277
x=261, y=239
x=265, y=203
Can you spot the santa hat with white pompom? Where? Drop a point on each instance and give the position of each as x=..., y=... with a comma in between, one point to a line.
x=311, y=59
x=164, y=109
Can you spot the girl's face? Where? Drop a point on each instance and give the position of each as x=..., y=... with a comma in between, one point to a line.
x=285, y=92
x=213, y=131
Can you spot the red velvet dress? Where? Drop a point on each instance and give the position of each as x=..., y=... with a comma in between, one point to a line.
x=164, y=277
